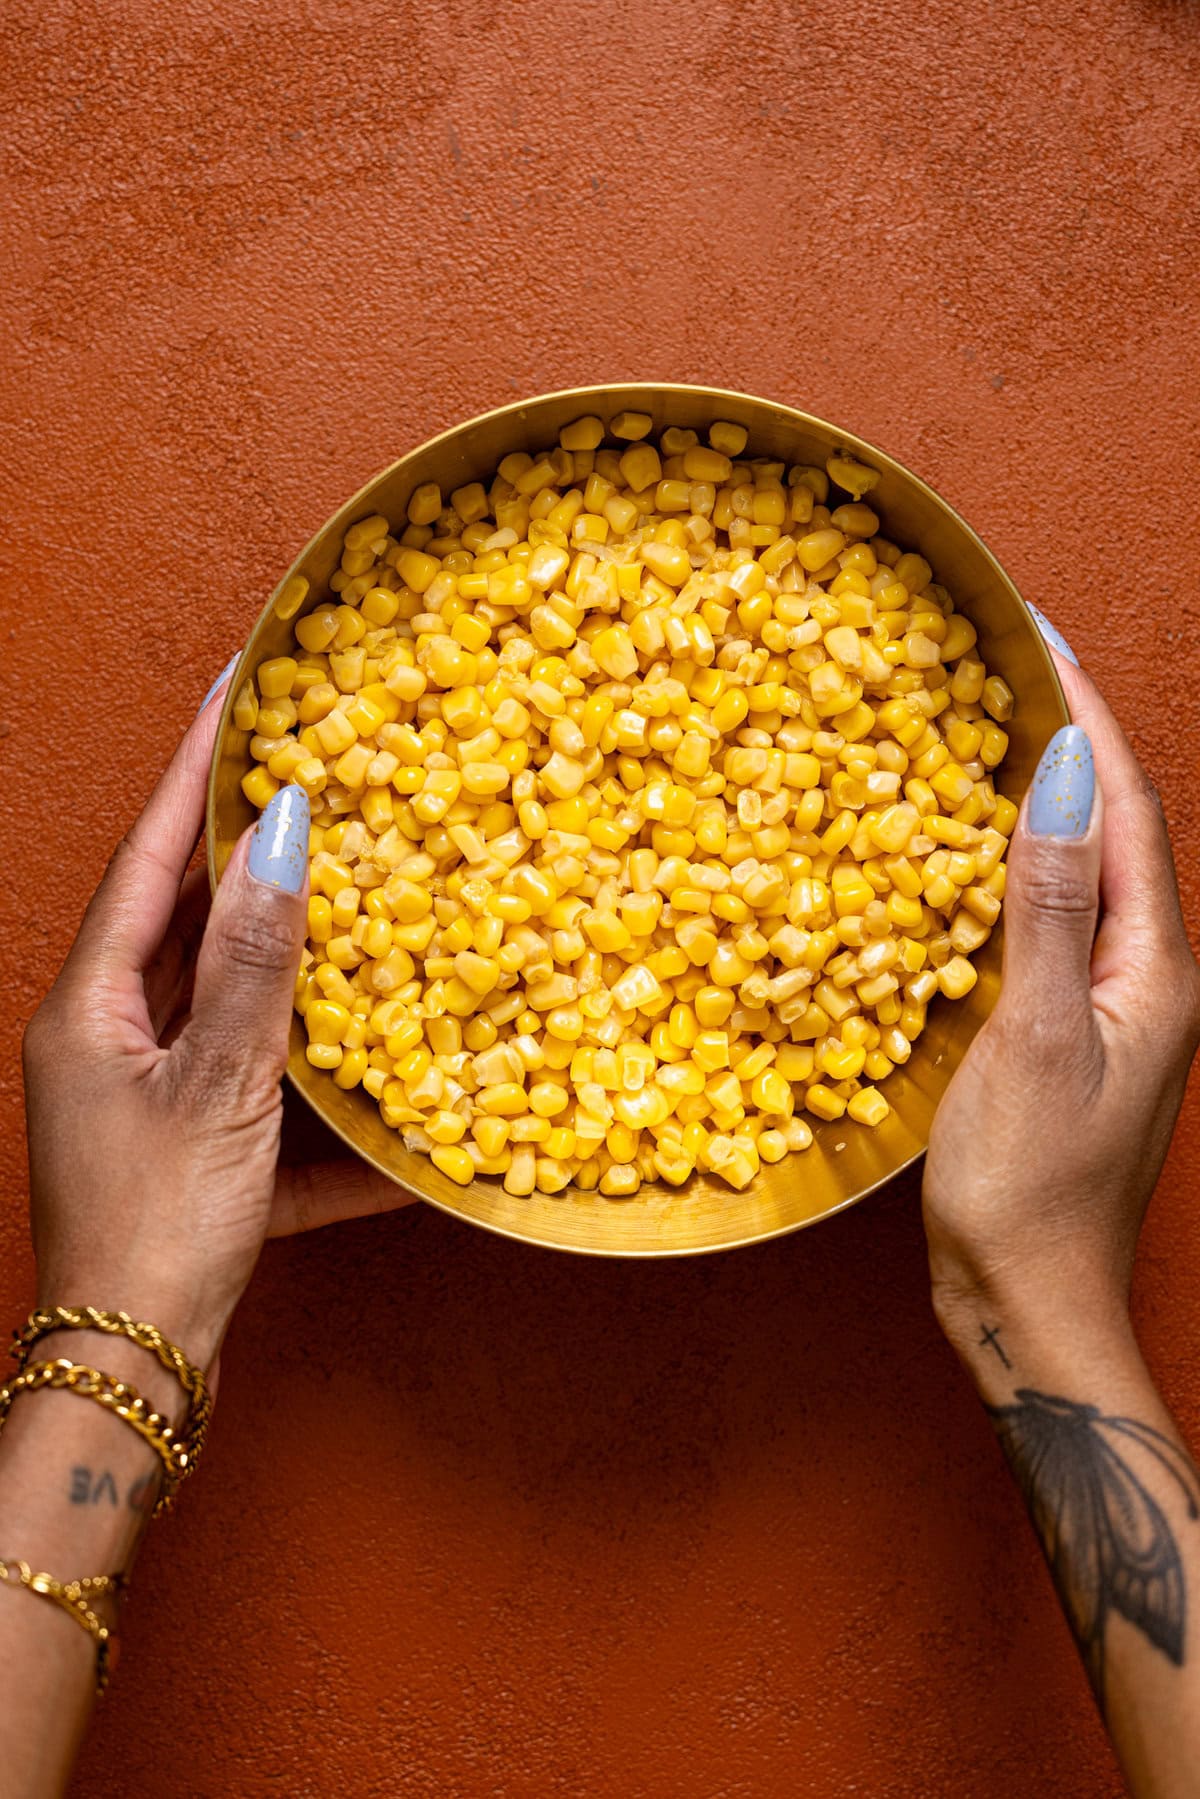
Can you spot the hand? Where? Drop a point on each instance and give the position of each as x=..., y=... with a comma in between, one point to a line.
x=1048, y=1144
x=153, y=1073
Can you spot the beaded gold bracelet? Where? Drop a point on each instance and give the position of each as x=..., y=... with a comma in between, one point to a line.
x=46, y=1319
x=74, y=1597
x=115, y=1396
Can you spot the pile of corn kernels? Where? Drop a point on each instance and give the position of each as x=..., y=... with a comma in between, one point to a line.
x=652, y=801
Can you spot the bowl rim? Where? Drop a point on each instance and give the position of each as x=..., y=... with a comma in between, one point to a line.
x=852, y=441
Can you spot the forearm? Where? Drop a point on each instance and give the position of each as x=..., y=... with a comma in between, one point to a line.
x=1113, y=1497
x=77, y=1486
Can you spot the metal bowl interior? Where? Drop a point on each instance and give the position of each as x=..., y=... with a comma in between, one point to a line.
x=846, y=1161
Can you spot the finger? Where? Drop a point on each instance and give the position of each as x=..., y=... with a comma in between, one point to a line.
x=1053, y=889
x=131, y=909
x=1138, y=881
x=307, y=1197
x=168, y=979
x=246, y=969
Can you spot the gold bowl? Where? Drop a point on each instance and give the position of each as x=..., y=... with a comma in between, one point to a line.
x=846, y=1161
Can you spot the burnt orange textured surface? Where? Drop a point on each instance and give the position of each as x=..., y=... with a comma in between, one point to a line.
x=477, y=1519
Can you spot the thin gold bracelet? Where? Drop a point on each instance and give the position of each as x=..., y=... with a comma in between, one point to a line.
x=46, y=1319
x=114, y=1396
x=72, y=1597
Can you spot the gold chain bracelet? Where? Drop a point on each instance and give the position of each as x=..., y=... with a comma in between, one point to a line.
x=73, y=1597
x=115, y=1396
x=46, y=1319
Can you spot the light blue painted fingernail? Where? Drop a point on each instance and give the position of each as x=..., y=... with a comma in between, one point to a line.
x=279, y=847
x=1053, y=636
x=221, y=678
x=1060, y=800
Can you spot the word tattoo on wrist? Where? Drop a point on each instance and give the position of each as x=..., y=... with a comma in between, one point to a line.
x=1107, y=1540
x=90, y=1486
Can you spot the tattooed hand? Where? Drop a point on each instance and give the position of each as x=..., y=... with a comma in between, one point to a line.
x=1043, y=1157
x=1048, y=1144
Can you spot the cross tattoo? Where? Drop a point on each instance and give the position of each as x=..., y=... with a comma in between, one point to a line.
x=991, y=1340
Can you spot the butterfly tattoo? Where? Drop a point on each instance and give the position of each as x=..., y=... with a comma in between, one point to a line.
x=1105, y=1536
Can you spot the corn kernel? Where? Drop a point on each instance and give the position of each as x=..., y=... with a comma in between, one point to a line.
x=630, y=426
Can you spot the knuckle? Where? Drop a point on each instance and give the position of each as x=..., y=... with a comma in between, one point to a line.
x=130, y=854
x=219, y=1076
x=37, y=1037
x=1052, y=1042
x=259, y=943
x=1053, y=889
x=1036, y=1034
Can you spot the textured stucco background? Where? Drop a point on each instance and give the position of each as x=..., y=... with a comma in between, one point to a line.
x=478, y=1520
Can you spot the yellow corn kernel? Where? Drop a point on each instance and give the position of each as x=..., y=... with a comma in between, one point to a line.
x=259, y=787
x=640, y=467
x=855, y=478
x=824, y=1102
x=479, y=973
x=771, y=1093
x=819, y=548
x=795, y=1061
x=245, y=707
x=320, y=919
x=275, y=677
x=440, y=789
x=728, y=438
x=491, y=1134
x=993, y=745
x=997, y=699
x=631, y=426
x=470, y=501
x=613, y=650
x=666, y=561
x=446, y=1127
x=425, y=503
x=868, y=1106
x=1004, y=818
x=351, y=768
x=454, y=1162
x=582, y=434
x=963, y=740
x=351, y=1069
x=956, y=977
x=326, y=1021
x=713, y=1006
x=948, y=830
x=416, y=569
x=841, y=1063
x=506, y=1099
x=904, y=913
x=958, y=639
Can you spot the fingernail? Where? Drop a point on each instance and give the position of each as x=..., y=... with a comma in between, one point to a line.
x=279, y=847
x=220, y=680
x=1060, y=800
x=1053, y=636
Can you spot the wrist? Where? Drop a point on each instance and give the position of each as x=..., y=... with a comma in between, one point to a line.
x=1042, y=1333
x=195, y=1322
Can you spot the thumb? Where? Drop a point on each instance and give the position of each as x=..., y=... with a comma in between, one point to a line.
x=1053, y=887
x=246, y=969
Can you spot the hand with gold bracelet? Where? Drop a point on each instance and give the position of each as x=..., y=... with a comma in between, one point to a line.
x=154, y=1109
